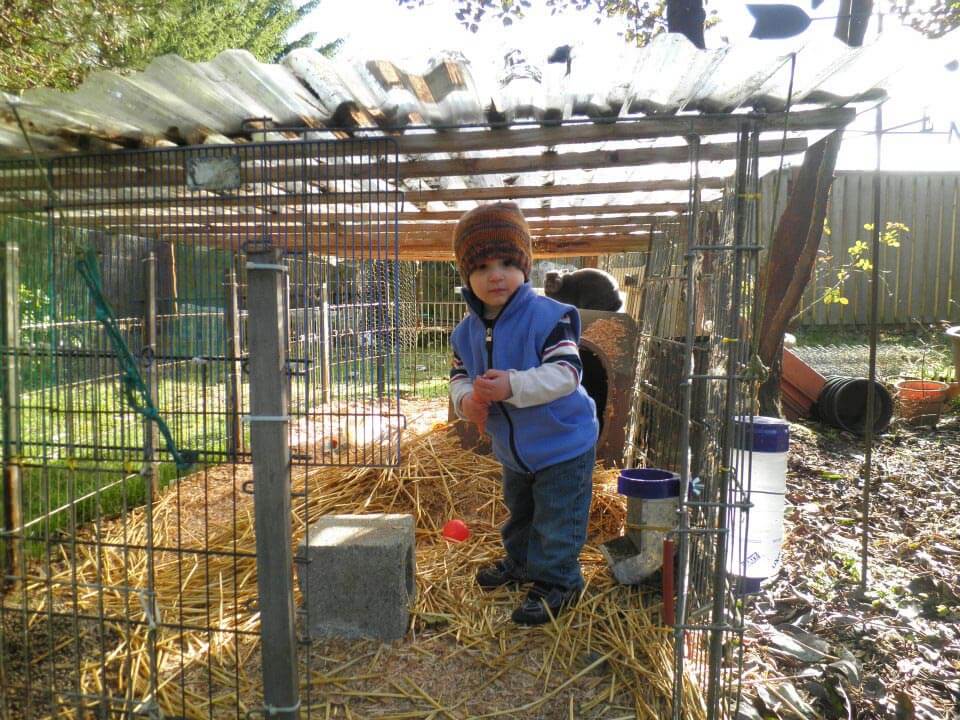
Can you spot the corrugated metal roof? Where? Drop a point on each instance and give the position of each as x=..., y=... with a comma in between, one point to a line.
x=634, y=168
x=177, y=101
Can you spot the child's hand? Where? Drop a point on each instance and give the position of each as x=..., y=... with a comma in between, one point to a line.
x=475, y=410
x=493, y=386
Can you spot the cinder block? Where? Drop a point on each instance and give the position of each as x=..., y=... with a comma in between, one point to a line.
x=358, y=580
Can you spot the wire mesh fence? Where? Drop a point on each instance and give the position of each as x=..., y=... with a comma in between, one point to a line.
x=133, y=575
x=693, y=379
x=129, y=576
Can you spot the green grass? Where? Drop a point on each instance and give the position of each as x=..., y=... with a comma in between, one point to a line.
x=922, y=351
x=70, y=477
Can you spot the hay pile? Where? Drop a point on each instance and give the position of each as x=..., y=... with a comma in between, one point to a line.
x=463, y=658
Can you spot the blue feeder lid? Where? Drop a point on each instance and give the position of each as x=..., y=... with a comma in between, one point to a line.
x=763, y=434
x=648, y=483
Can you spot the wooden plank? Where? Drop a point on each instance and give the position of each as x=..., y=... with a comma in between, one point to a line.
x=564, y=211
x=427, y=248
x=436, y=221
x=589, y=160
x=370, y=244
x=952, y=263
x=899, y=199
x=536, y=224
x=793, y=253
x=522, y=192
x=628, y=129
x=940, y=250
x=119, y=203
x=294, y=165
x=569, y=134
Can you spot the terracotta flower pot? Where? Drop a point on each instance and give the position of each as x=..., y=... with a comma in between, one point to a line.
x=920, y=402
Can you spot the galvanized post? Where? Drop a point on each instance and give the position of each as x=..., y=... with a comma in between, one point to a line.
x=682, y=581
x=324, y=345
x=269, y=407
x=10, y=400
x=150, y=375
x=727, y=472
x=232, y=323
x=151, y=439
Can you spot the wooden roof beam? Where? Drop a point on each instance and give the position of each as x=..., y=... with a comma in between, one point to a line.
x=589, y=160
x=627, y=129
x=358, y=247
x=296, y=164
x=550, y=212
x=523, y=192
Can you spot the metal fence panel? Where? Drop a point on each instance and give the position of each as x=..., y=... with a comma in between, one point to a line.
x=129, y=581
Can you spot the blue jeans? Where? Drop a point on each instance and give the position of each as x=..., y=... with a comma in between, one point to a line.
x=549, y=510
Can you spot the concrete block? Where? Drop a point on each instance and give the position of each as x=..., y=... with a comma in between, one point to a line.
x=358, y=580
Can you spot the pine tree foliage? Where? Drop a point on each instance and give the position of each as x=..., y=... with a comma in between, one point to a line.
x=55, y=43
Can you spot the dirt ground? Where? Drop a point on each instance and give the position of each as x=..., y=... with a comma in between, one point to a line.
x=816, y=646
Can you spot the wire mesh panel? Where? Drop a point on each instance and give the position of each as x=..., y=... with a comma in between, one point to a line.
x=431, y=307
x=129, y=567
x=721, y=271
x=654, y=433
x=694, y=378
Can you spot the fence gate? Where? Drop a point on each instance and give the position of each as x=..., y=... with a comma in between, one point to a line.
x=128, y=548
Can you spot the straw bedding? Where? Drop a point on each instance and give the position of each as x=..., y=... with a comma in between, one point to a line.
x=609, y=657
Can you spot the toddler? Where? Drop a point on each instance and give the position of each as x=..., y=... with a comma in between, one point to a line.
x=516, y=373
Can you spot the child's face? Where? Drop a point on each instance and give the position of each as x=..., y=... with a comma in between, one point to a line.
x=495, y=281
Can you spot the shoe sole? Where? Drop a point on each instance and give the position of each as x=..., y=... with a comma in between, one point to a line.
x=552, y=615
x=509, y=584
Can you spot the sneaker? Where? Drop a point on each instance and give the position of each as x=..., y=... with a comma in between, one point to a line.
x=544, y=602
x=503, y=572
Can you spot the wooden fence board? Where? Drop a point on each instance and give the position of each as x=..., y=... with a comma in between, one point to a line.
x=920, y=279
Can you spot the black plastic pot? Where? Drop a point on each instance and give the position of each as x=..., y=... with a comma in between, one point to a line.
x=842, y=403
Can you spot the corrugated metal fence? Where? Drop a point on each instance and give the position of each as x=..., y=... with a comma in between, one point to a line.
x=920, y=279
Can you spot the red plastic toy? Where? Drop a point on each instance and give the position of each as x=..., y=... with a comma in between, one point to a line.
x=456, y=530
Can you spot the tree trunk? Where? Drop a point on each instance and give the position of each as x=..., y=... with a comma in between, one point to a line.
x=768, y=394
x=687, y=17
x=791, y=259
x=852, y=19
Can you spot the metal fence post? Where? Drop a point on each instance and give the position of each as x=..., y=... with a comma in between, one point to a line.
x=150, y=374
x=269, y=407
x=325, y=378
x=151, y=439
x=10, y=339
x=232, y=318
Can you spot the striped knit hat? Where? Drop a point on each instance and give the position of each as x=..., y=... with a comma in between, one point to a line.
x=497, y=230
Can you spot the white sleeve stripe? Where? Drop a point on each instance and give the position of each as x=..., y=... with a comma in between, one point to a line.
x=563, y=344
x=554, y=357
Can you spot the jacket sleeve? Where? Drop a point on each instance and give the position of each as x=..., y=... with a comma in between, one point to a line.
x=460, y=383
x=559, y=373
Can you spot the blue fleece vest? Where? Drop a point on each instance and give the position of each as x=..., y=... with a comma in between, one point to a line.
x=532, y=438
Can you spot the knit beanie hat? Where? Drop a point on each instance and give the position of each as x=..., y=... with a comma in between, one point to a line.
x=497, y=230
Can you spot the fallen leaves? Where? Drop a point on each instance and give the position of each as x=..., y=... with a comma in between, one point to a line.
x=818, y=648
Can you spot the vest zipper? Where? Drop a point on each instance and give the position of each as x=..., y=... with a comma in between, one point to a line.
x=503, y=408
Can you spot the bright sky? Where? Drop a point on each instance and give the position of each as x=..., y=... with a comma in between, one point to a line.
x=408, y=36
